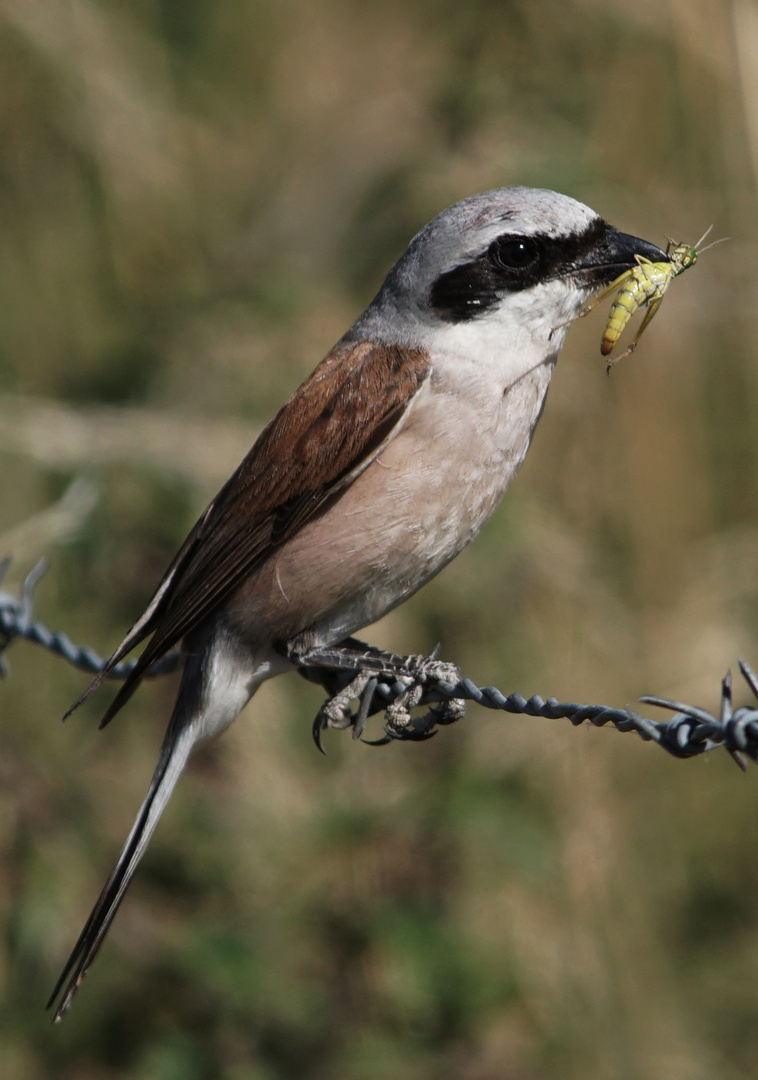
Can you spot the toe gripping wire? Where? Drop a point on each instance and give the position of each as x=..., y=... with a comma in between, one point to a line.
x=689, y=732
x=383, y=682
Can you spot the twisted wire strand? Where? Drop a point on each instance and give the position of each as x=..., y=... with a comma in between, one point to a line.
x=16, y=622
x=689, y=732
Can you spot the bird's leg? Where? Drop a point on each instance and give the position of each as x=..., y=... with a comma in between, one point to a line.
x=339, y=671
x=336, y=711
x=354, y=655
x=412, y=675
x=399, y=724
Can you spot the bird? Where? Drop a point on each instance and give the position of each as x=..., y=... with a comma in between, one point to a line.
x=379, y=469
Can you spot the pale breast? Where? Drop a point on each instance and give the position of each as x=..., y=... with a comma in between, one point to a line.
x=414, y=508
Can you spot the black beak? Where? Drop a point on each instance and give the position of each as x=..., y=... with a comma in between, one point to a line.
x=612, y=254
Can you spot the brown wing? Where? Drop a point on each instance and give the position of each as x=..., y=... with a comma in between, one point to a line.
x=331, y=428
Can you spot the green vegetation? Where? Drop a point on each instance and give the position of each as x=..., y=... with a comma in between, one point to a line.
x=196, y=198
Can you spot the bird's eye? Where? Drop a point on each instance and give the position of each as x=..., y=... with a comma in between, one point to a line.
x=515, y=253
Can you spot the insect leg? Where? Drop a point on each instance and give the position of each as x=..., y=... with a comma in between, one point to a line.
x=652, y=308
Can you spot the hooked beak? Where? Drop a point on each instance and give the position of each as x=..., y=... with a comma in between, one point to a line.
x=614, y=253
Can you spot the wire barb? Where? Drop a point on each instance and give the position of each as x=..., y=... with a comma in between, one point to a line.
x=16, y=622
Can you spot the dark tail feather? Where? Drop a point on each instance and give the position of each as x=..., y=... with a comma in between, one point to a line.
x=130, y=684
x=175, y=752
x=141, y=629
x=124, y=648
x=149, y=655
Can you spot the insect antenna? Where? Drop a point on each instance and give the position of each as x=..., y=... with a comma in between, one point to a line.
x=703, y=237
x=712, y=243
x=672, y=244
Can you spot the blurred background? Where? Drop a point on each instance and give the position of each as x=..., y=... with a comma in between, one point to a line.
x=197, y=197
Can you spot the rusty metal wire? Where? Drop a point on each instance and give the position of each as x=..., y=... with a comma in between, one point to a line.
x=689, y=732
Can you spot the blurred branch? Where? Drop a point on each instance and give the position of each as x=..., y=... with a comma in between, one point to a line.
x=56, y=524
x=57, y=436
x=690, y=732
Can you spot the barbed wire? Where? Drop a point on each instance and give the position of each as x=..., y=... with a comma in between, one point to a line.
x=690, y=732
x=16, y=622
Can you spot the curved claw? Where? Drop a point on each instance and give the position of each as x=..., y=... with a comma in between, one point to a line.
x=413, y=736
x=413, y=730
x=384, y=741
x=400, y=735
x=363, y=712
x=316, y=729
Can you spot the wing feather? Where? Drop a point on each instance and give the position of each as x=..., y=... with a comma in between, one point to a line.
x=331, y=428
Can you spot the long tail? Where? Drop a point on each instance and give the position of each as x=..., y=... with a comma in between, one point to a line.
x=175, y=751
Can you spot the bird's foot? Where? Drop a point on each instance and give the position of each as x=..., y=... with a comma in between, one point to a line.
x=352, y=670
x=336, y=711
x=354, y=655
x=400, y=725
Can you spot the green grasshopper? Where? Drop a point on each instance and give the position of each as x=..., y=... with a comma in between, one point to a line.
x=643, y=286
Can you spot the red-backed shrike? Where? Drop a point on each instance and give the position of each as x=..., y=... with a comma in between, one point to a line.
x=379, y=469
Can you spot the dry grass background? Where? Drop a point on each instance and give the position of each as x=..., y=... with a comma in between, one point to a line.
x=196, y=198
